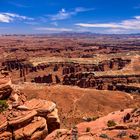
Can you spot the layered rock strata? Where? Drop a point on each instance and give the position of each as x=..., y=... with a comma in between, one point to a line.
x=25, y=120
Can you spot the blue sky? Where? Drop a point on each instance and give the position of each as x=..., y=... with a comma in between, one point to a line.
x=49, y=16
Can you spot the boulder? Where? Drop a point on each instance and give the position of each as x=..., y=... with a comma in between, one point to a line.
x=42, y=107
x=37, y=126
x=22, y=118
x=38, y=123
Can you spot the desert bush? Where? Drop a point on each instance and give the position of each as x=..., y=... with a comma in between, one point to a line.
x=103, y=136
x=95, y=118
x=88, y=119
x=111, y=123
x=3, y=105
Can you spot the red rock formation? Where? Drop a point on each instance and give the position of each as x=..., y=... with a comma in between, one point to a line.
x=111, y=126
x=24, y=119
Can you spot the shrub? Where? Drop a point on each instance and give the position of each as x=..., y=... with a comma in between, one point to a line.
x=111, y=123
x=88, y=119
x=3, y=105
x=88, y=129
x=103, y=136
x=95, y=118
x=134, y=136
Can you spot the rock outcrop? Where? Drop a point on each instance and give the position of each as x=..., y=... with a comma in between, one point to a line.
x=22, y=119
x=123, y=124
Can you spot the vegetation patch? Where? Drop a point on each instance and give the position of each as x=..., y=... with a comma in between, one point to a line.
x=104, y=136
x=89, y=119
x=3, y=105
x=111, y=123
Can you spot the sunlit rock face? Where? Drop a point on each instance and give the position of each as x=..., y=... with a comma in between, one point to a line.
x=22, y=119
x=123, y=124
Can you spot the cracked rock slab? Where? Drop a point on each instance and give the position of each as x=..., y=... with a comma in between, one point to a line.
x=36, y=127
x=22, y=118
x=41, y=106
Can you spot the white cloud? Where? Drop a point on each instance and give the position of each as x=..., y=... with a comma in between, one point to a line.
x=5, y=18
x=54, y=29
x=104, y=25
x=130, y=24
x=9, y=17
x=63, y=14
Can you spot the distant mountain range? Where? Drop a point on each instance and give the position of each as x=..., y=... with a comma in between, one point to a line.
x=75, y=34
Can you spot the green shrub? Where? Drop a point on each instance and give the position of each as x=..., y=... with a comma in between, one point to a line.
x=111, y=123
x=103, y=136
x=3, y=105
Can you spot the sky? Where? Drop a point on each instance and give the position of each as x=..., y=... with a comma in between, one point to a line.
x=54, y=16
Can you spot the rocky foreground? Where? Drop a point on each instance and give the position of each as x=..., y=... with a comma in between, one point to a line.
x=36, y=119
x=25, y=120
x=119, y=125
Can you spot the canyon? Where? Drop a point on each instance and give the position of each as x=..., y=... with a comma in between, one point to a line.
x=56, y=87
